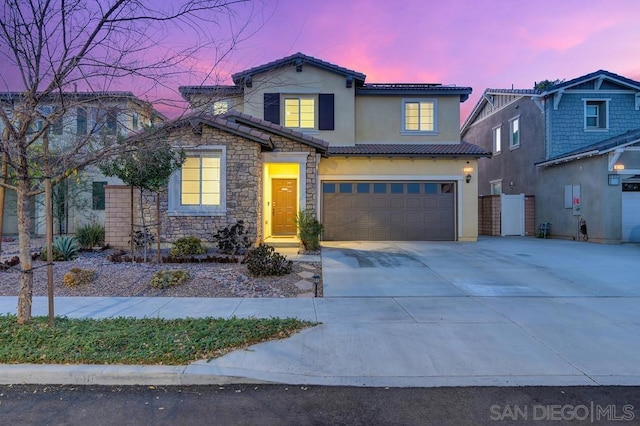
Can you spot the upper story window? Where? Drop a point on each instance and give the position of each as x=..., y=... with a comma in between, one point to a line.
x=419, y=116
x=497, y=140
x=135, y=120
x=299, y=112
x=596, y=114
x=81, y=121
x=514, y=133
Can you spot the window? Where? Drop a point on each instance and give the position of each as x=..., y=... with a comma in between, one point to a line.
x=111, y=122
x=220, y=107
x=595, y=115
x=81, y=121
x=496, y=187
x=497, y=139
x=105, y=121
x=57, y=127
x=98, y=195
x=135, y=121
x=514, y=133
x=299, y=113
x=198, y=188
x=419, y=116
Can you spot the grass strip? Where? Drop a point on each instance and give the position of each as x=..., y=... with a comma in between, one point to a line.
x=134, y=341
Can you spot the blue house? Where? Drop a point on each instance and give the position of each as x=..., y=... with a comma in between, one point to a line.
x=574, y=146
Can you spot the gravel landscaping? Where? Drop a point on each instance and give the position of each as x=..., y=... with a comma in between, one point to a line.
x=133, y=279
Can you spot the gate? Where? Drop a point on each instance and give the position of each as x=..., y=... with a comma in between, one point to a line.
x=512, y=214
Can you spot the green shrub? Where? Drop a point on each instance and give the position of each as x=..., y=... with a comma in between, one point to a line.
x=233, y=240
x=143, y=239
x=309, y=230
x=77, y=277
x=264, y=260
x=166, y=279
x=63, y=248
x=187, y=246
x=89, y=236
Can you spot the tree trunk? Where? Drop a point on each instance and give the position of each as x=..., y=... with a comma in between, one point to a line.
x=24, y=238
x=3, y=179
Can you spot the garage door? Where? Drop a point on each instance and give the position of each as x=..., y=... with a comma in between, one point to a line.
x=391, y=211
x=631, y=217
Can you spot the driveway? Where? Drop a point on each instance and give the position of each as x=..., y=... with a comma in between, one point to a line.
x=507, y=267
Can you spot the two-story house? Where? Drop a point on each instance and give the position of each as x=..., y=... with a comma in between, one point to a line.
x=70, y=119
x=573, y=145
x=374, y=161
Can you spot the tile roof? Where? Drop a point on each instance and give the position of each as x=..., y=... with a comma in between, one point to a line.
x=186, y=91
x=628, y=138
x=414, y=88
x=463, y=149
x=298, y=58
x=267, y=126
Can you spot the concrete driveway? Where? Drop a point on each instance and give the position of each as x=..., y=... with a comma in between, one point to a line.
x=507, y=267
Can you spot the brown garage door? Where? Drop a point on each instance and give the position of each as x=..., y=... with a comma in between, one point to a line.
x=392, y=211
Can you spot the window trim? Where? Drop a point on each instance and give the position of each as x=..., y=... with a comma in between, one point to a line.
x=511, y=121
x=497, y=141
x=299, y=97
x=604, y=101
x=404, y=130
x=174, y=187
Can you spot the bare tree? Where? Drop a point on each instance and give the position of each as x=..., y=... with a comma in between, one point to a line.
x=54, y=46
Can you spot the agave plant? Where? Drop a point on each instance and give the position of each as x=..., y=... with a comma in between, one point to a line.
x=65, y=247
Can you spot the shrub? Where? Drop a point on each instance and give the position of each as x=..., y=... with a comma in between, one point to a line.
x=166, y=279
x=89, y=236
x=309, y=230
x=63, y=248
x=77, y=277
x=264, y=260
x=143, y=239
x=187, y=246
x=233, y=240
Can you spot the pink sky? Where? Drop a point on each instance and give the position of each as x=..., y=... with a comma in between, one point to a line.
x=476, y=43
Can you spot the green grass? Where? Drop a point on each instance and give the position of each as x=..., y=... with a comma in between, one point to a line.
x=134, y=341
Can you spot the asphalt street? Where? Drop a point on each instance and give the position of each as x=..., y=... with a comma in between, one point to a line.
x=315, y=405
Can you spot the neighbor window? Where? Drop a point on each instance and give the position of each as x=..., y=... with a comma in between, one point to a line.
x=98, y=195
x=135, y=120
x=299, y=112
x=57, y=127
x=514, y=133
x=419, y=116
x=81, y=121
x=497, y=143
x=220, y=107
x=595, y=115
x=496, y=187
x=198, y=187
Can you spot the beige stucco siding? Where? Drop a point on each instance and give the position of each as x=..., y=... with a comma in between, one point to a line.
x=310, y=81
x=379, y=119
x=357, y=168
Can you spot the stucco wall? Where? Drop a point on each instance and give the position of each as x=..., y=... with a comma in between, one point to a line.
x=514, y=166
x=379, y=119
x=413, y=169
x=601, y=204
x=311, y=80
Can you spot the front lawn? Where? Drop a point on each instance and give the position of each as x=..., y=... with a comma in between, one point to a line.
x=134, y=341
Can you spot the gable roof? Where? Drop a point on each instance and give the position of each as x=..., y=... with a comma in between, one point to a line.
x=463, y=149
x=603, y=147
x=484, y=99
x=298, y=59
x=635, y=85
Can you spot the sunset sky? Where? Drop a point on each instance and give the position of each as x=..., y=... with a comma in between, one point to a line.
x=476, y=43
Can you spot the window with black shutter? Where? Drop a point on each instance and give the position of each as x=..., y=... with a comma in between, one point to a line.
x=326, y=111
x=272, y=107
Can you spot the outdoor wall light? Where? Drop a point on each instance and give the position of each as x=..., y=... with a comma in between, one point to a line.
x=467, y=170
x=618, y=167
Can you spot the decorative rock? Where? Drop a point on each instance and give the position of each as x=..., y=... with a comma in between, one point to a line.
x=304, y=285
x=305, y=274
x=309, y=267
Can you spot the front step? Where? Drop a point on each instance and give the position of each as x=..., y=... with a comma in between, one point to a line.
x=282, y=242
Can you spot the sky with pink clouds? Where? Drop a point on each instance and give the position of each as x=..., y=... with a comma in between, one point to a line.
x=476, y=43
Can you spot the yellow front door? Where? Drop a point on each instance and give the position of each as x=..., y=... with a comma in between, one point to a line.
x=283, y=209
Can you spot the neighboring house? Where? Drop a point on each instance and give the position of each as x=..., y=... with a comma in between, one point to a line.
x=574, y=146
x=374, y=161
x=80, y=199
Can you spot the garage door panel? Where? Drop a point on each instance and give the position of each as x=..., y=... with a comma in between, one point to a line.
x=418, y=211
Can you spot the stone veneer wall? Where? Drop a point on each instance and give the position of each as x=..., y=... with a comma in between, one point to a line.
x=244, y=178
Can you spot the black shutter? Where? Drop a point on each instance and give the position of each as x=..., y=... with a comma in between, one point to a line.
x=272, y=107
x=325, y=111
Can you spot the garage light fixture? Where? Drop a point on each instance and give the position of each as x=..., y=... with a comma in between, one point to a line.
x=618, y=167
x=467, y=170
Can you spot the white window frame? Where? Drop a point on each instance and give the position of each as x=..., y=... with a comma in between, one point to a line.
x=495, y=184
x=433, y=131
x=175, y=185
x=511, y=132
x=299, y=98
x=497, y=139
x=601, y=102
